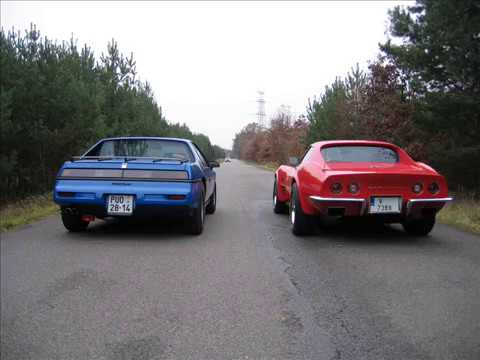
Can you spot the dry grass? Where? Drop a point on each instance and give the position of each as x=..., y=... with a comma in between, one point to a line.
x=25, y=211
x=463, y=213
x=270, y=166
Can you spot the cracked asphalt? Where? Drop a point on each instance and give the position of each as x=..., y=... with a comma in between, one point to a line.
x=245, y=289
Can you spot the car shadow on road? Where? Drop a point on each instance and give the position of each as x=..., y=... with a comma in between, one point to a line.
x=155, y=229
x=370, y=233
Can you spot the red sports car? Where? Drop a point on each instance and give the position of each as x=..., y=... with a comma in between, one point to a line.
x=359, y=178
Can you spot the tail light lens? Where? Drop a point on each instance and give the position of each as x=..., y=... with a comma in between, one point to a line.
x=66, y=194
x=176, y=197
x=433, y=188
x=353, y=188
x=155, y=174
x=125, y=174
x=417, y=188
x=336, y=188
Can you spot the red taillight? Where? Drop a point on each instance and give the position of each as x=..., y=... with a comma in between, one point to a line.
x=433, y=188
x=66, y=194
x=176, y=197
x=417, y=188
x=336, y=188
x=353, y=188
x=88, y=218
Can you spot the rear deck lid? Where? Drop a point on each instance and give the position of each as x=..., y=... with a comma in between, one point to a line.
x=368, y=167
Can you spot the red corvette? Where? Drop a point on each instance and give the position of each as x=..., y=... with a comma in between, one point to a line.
x=359, y=178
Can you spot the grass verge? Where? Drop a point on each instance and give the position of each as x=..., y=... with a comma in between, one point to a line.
x=25, y=211
x=463, y=214
x=270, y=166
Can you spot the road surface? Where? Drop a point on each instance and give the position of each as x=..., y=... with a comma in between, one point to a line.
x=245, y=289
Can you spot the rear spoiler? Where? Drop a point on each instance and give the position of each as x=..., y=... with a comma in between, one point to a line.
x=126, y=158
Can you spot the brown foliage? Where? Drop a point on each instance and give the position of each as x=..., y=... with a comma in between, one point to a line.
x=276, y=143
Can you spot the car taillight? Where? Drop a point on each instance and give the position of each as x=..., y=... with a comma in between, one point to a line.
x=353, y=188
x=66, y=194
x=176, y=197
x=336, y=188
x=433, y=188
x=133, y=174
x=91, y=173
x=417, y=188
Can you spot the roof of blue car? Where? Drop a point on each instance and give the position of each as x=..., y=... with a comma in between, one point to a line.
x=146, y=138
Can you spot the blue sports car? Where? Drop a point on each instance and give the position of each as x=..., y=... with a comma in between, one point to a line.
x=137, y=177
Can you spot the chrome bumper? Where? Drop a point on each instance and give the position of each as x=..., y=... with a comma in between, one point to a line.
x=324, y=199
x=410, y=203
x=363, y=202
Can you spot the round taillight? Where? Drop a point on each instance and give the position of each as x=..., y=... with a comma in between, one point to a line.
x=433, y=188
x=336, y=188
x=417, y=188
x=353, y=188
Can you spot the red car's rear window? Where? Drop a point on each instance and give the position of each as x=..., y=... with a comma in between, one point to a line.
x=356, y=154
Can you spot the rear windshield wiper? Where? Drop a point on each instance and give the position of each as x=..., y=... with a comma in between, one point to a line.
x=98, y=158
x=169, y=159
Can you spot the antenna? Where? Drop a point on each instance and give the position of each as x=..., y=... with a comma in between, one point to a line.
x=261, y=109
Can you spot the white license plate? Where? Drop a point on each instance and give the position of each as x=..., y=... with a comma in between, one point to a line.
x=385, y=205
x=120, y=205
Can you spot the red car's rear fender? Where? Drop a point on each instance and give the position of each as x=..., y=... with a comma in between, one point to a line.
x=284, y=175
x=309, y=182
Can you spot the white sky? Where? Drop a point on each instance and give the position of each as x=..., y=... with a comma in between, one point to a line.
x=206, y=60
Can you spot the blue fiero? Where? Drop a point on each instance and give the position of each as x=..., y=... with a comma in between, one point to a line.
x=140, y=177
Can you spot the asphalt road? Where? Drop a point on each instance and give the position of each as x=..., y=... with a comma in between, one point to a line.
x=245, y=289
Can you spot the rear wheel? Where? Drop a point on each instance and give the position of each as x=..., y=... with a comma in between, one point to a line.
x=419, y=227
x=72, y=220
x=279, y=207
x=198, y=217
x=301, y=222
x=212, y=202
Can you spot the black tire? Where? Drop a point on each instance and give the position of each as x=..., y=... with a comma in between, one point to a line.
x=198, y=217
x=212, y=202
x=279, y=207
x=72, y=221
x=419, y=227
x=301, y=222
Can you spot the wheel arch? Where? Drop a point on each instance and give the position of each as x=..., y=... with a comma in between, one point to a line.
x=307, y=207
x=282, y=193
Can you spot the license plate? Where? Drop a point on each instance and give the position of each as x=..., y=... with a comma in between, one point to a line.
x=385, y=205
x=120, y=205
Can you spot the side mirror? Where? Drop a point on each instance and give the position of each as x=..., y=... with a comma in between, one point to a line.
x=213, y=164
x=293, y=161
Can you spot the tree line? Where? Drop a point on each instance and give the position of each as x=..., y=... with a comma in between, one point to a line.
x=56, y=99
x=422, y=93
x=273, y=144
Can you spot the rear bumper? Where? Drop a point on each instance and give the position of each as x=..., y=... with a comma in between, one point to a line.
x=150, y=197
x=416, y=206
x=359, y=206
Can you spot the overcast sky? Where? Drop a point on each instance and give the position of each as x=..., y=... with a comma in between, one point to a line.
x=207, y=60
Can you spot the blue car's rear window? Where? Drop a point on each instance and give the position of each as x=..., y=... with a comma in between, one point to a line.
x=355, y=154
x=143, y=148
